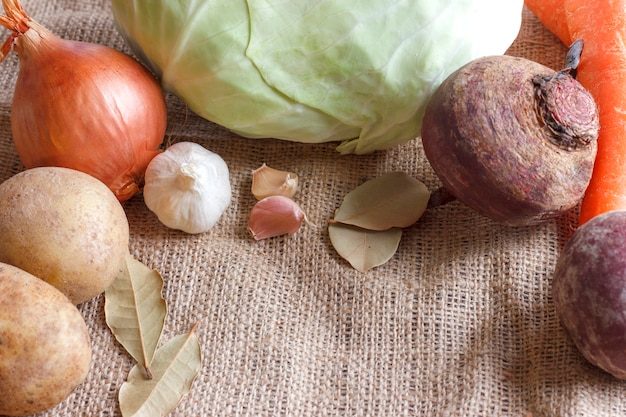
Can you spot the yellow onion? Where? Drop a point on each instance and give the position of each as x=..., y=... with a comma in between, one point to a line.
x=82, y=105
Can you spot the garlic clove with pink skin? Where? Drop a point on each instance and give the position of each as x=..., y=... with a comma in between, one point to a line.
x=268, y=181
x=275, y=215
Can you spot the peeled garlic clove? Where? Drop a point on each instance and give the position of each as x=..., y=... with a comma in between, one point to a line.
x=274, y=216
x=268, y=181
x=187, y=187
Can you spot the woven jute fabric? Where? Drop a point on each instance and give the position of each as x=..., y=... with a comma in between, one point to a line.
x=460, y=322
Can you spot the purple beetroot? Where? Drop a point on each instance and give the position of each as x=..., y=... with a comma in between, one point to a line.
x=589, y=291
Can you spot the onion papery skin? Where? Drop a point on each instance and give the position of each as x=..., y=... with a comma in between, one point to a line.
x=87, y=107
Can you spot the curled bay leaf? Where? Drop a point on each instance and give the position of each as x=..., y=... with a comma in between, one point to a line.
x=394, y=199
x=176, y=365
x=364, y=249
x=135, y=310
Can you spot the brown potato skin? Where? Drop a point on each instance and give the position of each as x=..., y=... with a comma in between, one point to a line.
x=45, y=349
x=589, y=291
x=484, y=139
x=65, y=227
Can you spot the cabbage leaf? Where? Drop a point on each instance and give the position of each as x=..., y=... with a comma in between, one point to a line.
x=356, y=71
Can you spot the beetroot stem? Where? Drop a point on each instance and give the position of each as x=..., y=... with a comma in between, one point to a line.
x=440, y=197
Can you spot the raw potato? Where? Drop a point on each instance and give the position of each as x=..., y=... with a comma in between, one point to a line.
x=65, y=227
x=45, y=350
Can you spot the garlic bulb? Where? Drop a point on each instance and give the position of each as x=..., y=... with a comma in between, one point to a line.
x=187, y=187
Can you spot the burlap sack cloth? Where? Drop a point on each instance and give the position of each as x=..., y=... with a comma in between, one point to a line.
x=459, y=323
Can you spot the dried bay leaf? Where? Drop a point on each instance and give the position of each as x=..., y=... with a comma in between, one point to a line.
x=135, y=310
x=394, y=199
x=176, y=365
x=364, y=249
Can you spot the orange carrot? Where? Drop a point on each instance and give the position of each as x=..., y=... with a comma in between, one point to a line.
x=552, y=14
x=601, y=24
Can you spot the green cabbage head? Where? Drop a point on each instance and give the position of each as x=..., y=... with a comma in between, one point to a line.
x=356, y=71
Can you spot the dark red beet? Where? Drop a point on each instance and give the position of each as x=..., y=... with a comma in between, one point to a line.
x=512, y=139
x=589, y=291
